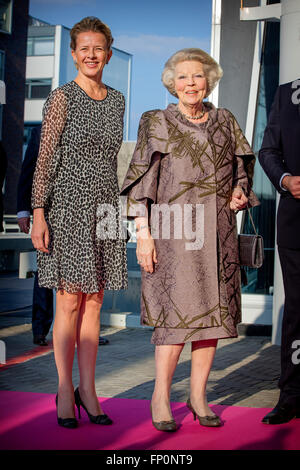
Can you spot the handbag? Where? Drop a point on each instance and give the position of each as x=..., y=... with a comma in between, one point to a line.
x=251, y=248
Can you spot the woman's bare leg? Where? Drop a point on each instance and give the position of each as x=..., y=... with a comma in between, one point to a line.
x=203, y=353
x=88, y=330
x=166, y=359
x=64, y=338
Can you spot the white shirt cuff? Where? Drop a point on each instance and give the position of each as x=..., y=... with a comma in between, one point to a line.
x=23, y=214
x=284, y=174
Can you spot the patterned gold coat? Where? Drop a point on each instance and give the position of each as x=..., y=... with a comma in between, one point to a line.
x=194, y=292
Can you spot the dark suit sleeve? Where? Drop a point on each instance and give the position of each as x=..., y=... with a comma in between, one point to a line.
x=27, y=171
x=270, y=155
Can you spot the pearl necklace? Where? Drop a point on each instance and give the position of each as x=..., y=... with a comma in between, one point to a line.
x=192, y=117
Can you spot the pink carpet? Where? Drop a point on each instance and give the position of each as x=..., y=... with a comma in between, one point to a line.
x=28, y=421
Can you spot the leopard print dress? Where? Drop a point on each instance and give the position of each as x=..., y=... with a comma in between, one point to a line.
x=75, y=181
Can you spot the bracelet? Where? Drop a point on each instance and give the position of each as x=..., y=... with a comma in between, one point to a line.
x=138, y=229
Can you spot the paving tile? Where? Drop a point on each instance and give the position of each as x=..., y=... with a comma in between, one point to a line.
x=245, y=371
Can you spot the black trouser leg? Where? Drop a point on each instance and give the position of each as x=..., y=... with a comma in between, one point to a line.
x=289, y=382
x=42, y=309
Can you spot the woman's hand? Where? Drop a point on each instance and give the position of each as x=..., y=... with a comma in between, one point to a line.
x=40, y=231
x=238, y=199
x=145, y=251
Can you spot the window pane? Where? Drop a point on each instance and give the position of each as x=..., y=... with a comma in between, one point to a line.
x=29, y=46
x=27, y=133
x=2, y=57
x=43, y=46
x=5, y=15
x=116, y=74
x=1, y=111
x=40, y=91
x=260, y=281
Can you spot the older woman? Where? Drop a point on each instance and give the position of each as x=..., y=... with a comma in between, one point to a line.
x=75, y=175
x=191, y=171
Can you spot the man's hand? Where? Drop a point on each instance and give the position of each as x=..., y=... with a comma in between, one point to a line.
x=24, y=224
x=292, y=184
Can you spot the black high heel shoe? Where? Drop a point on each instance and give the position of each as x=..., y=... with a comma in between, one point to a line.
x=99, y=419
x=70, y=423
x=213, y=421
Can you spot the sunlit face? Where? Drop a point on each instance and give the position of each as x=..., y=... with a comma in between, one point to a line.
x=91, y=53
x=190, y=82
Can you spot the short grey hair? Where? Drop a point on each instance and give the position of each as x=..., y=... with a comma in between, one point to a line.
x=212, y=70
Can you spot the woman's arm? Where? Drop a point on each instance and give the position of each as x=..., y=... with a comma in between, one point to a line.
x=238, y=199
x=54, y=118
x=40, y=231
x=243, y=169
x=145, y=250
x=141, y=182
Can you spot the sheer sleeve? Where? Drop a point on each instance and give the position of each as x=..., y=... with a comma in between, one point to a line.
x=54, y=118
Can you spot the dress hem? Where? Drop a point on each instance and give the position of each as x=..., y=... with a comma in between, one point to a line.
x=166, y=336
x=84, y=291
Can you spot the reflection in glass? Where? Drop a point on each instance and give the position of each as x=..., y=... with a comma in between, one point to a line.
x=117, y=75
x=5, y=15
x=260, y=280
x=37, y=89
x=40, y=46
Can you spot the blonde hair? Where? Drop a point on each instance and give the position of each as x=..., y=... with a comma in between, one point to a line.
x=212, y=70
x=90, y=23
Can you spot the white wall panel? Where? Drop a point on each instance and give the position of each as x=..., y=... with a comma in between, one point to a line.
x=40, y=66
x=33, y=110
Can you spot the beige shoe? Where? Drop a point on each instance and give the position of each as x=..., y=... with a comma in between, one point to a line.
x=213, y=421
x=169, y=426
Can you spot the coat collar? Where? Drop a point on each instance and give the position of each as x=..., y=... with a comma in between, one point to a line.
x=172, y=113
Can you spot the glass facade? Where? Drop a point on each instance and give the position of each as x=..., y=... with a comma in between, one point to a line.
x=2, y=58
x=28, y=126
x=5, y=15
x=38, y=89
x=2, y=64
x=260, y=281
x=40, y=46
x=117, y=75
